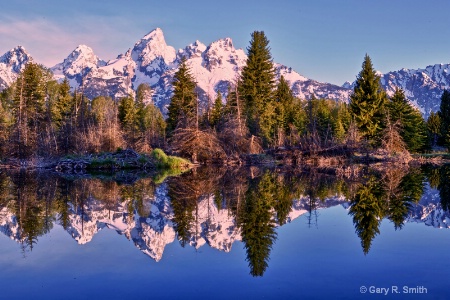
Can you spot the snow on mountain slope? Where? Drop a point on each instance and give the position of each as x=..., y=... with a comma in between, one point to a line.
x=423, y=87
x=11, y=64
x=152, y=61
x=76, y=65
x=215, y=67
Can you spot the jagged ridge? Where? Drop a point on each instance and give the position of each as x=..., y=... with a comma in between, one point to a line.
x=214, y=67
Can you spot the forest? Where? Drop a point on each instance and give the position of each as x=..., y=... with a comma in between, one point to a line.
x=42, y=118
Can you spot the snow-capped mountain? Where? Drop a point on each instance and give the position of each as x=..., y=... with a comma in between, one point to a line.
x=423, y=87
x=80, y=62
x=11, y=64
x=215, y=67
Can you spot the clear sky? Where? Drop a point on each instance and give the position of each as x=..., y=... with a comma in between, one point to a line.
x=323, y=40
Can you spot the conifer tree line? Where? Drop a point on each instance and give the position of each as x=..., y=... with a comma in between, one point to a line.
x=39, y=116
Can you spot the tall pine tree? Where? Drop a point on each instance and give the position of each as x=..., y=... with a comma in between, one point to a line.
x=257, y=88
x=444, y=114
x=183, y=104
x=367, y=101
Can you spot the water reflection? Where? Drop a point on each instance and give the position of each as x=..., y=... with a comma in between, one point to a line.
x=217, y=206
x=384, y=194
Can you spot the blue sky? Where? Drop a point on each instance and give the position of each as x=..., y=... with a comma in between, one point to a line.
x=322, y=39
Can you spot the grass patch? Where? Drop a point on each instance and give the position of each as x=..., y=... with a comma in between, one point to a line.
x=164, y=161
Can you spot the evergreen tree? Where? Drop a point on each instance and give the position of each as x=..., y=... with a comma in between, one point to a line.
x=434, y=128
x=256, y=88
x=367, y=101
x=340, y=121
x=444, y=115
x=63, y=105
x=29, y=110
x=183, y=104
x=6, y=121
x=127, y=113
x=217, y=111
x=142, y=122
x=299, y=120
x=412, y=124
x=284, y=109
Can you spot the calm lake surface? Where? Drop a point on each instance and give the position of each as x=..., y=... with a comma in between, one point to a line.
x=211, y=233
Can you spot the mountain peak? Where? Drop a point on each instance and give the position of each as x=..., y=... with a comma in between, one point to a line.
x=192, y=50
x=19, y=48
x=16, y=58
x=15, y=53
x=226, y=43
x=156, y=33
x=152, y=46
x=11, y=64
x=80, y=61
x=83, y=49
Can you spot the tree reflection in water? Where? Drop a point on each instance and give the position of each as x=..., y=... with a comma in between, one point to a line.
x=386, y=193
x=254, y=202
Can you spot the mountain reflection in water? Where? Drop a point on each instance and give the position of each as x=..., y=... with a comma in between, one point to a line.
x=217, y=207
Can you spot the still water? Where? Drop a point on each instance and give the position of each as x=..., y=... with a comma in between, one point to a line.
x=227, y=234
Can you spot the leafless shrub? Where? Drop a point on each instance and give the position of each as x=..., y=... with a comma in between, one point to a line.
x=199, y=145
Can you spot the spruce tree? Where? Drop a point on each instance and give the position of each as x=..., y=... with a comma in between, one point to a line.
x=412, y=125
x=257, y=88
x=434, y=128
x=183, y=104
x=444, y=114
x=284, y=108
x=217, y=111
x=63, y=105
x=367, y=101
x=128, y=114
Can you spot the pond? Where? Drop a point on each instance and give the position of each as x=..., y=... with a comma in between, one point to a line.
x=213, y=233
